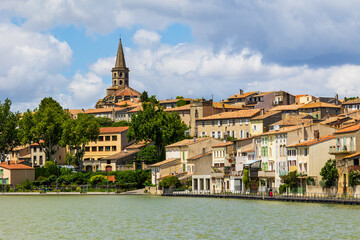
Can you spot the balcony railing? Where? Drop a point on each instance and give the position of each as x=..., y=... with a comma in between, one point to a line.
x=340, y=150
x=267, y=174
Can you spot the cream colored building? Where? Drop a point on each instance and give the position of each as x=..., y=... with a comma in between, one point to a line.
x=111, y=140
x=183, y=111
x=235, y=124
x=309, y=157
x=13, y=172
x=38, y=157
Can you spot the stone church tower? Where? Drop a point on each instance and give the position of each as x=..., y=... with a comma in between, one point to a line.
x=120, y=73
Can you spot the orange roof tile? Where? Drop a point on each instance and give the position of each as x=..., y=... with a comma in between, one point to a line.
x=319, y=105
x=126, y=91
x=182, y=108
x=266, y=115
x=103, y=110
x=165, y=162
x=237, y=96
x=187, y=142
x=313, y=141
x=281, y=130
x=292, y=107
x=173, y=100
x=352, y=128
x=354, y=101
x=353, y=155
x=293, y=121
x=14, y=166
x=199, y=156
x=223, y=144
x=113, y=129
x=226, y=106
x=237, y=114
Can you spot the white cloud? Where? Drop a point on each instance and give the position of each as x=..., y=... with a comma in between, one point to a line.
x=146, y=38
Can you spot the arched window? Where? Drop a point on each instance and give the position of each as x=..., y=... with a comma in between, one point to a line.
x=115, y=83
x=121, y=82
x=114, y=74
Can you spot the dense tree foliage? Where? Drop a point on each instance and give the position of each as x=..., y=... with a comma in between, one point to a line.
x=144, y=96
x=156, y=125
x=170, y=182
x=329, y=173
x=354, y=178
x=79, y=132
x=8, y=129
x=291, y=180
x=148, y=154
x=104, y=121
x=122, y=123
x=45, y=126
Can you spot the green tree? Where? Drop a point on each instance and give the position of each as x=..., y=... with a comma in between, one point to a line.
x=104, y=121
x=156, y=125
x=144, y=96
x=45, y=127
x=291, y=180
x=246, y=178
x=354, y=178
x=51, y=169
x=329, y=173
x=170, y=182
x=148, y=154
x=79, y=132
x=97, y=179
x=122, y=123
x=8, y=129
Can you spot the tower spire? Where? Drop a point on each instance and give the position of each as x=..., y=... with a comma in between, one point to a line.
x=120, y=58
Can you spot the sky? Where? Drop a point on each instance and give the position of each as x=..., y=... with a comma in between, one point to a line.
x=65, y=49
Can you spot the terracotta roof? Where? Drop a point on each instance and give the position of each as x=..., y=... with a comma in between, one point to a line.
x=281, y=130
x=301, y=95
x=223, y=144
x=292, y=107
x=27, y=156
x=121, y=154
x=18, y=148
x=353, y=155
x=165, y=162
x=173, y=100
x=313, y=141
x=199, y=156
x=182, y=108
x=319, y=105
x=346, y=113
x=249, y=150
x=75, y=111
x=137, y=145
x=354, y=101
x=226, y=106
x=333, y=119
x=136, y=109
x=237, y=114
x=237, y=96
x=266, y=115
x=14, y=166
x=113, y=129
x=262, y=94
x=111, y=178
x=102, y=110
x=293, y=121
x=187, y=142
x=352, y=128
x=175, y=175
x=126, y=91
x=127, y=102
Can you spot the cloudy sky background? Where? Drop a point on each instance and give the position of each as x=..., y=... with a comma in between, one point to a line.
x=66, y=48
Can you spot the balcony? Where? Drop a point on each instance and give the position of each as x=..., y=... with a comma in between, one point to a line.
x=283, y=172
x=336, y=150
x=220, y=172
x=266, y=174
x=276, y=103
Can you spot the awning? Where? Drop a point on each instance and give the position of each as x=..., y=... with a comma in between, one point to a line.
x=251, y=162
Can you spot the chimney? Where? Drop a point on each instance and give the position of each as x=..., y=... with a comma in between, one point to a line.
x=336, y=99
x=8, y=162
x=241, y=92
x=16, y=161
x=203, y=151
x=262, y=111
x=316, y=134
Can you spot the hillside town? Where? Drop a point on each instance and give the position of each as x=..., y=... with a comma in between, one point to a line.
x=249, y=142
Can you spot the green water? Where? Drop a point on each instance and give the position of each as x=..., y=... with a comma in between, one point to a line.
x=152, y=217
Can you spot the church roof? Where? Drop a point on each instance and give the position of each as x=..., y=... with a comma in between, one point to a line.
x=126, y=91
x=120, y=58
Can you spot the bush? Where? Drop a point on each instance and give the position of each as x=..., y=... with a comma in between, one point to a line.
x=282, y=188
x=310, y=181
x=329, y=173
x=170, y=182
x=354, y=178
x=98, y=179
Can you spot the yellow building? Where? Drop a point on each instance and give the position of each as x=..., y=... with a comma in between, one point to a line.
x=235, y=124
x=111, y=140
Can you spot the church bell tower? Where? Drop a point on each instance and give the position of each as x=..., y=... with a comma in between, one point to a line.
x=120, y=73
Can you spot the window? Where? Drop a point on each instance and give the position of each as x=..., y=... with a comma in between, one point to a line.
x=219, y=123
x=41, y=160
x=114, y=138
x=233, y=122
x=213, y=134
x=87, y=149
x=247, y=121
x=2, y=172
x=356, y=162
x=108, y=161
x=107, y=138
x=213, y=122
x=93, y=149
x=240, y=122
x=113, y=148
x=203, y=123
x=305, y=152
x=219, y=134
x=101, y=138
x=228, y=122
x=101, y=149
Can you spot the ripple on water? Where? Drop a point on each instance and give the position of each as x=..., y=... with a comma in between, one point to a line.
x=151, y=217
